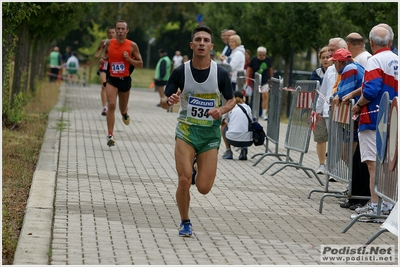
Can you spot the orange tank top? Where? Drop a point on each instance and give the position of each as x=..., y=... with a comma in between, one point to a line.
x=119, y=66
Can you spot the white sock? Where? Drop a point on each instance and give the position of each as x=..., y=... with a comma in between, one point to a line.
x=264, y=112
x=105, y=107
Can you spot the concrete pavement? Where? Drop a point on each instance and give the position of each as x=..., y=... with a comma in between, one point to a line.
x=91, y=204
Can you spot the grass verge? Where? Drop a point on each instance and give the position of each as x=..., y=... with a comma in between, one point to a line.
x=21, y=149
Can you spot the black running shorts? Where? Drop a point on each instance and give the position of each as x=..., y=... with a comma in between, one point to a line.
x=123, y=84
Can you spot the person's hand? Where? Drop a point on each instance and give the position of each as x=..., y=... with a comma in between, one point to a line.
x=126, y=54
x=356, y=110
x=215, y=113
x=336, y=101
x=102, y=60
x=174, y=98
x=346, y=98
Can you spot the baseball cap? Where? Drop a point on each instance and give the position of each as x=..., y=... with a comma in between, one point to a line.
x=341, y=55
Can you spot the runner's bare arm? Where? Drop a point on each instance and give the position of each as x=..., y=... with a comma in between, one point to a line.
x=136, y=59
x=105, y=53
x=217, y=113
x=99, y=49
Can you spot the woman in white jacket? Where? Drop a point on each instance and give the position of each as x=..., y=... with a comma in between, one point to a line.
x=236, y=59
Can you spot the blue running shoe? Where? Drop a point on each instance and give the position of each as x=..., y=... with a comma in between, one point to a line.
x=194, y=172
x=185, y=229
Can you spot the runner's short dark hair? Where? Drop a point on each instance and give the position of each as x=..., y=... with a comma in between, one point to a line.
x=201, y=28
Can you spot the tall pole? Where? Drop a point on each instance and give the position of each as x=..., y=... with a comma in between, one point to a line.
x=149, y=43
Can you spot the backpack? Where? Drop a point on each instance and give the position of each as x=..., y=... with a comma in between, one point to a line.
x=72, y=67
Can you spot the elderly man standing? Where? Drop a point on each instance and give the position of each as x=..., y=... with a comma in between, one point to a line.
x=391, y=38
x=381, y=75
x=356, y=46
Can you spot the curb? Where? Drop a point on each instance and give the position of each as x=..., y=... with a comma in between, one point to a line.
x=35, y=237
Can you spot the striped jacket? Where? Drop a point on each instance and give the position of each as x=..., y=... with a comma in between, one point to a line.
x=381, y=75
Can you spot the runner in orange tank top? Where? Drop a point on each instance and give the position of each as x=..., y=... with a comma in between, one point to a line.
x=123, y=56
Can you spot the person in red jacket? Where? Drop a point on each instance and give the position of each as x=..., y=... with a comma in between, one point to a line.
x=123, y=56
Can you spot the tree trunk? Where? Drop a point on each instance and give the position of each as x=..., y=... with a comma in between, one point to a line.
x=21, y=61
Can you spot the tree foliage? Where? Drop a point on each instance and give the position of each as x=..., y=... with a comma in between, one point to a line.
x=30, y=29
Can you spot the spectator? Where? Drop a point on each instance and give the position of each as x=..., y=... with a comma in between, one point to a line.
x=360, y=174
x=235, y=128
x=225, y=34
x=55, y=64
x=262, y=65
x=177, y=59
x=381, y=75
x=67, y=54
x=321, y=131
x=352, y=74
x=236, y=59
x=72, y=67
x=356, y=46
x=328, y=83
x=185, y=58
x=247, y=56
x=162, y=73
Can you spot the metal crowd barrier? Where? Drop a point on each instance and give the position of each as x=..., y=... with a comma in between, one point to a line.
x=386, y=179
x=299, y=131
x=274, y=118
x=339, y=162
x=240, y=80
x=255, y=109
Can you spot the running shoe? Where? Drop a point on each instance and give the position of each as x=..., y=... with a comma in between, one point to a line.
x=185, y=229
x=126, y=119
x=104, y=113
x=110, y=140
x=365, y=209
x=228, y=154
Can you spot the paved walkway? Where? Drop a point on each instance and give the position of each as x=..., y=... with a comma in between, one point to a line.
x=91, y=204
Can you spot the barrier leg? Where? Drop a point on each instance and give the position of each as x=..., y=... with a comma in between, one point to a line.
x=369, y=241
x=266, y=169
x=353, y=221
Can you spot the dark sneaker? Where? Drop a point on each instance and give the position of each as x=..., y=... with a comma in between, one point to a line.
x=194, y=172
x=104, y=112
x=185, y=229
x=346, y=204
x=243, y=153
x=228, y=154
x=110, y=140
x=355, y=206
x=126, y=119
